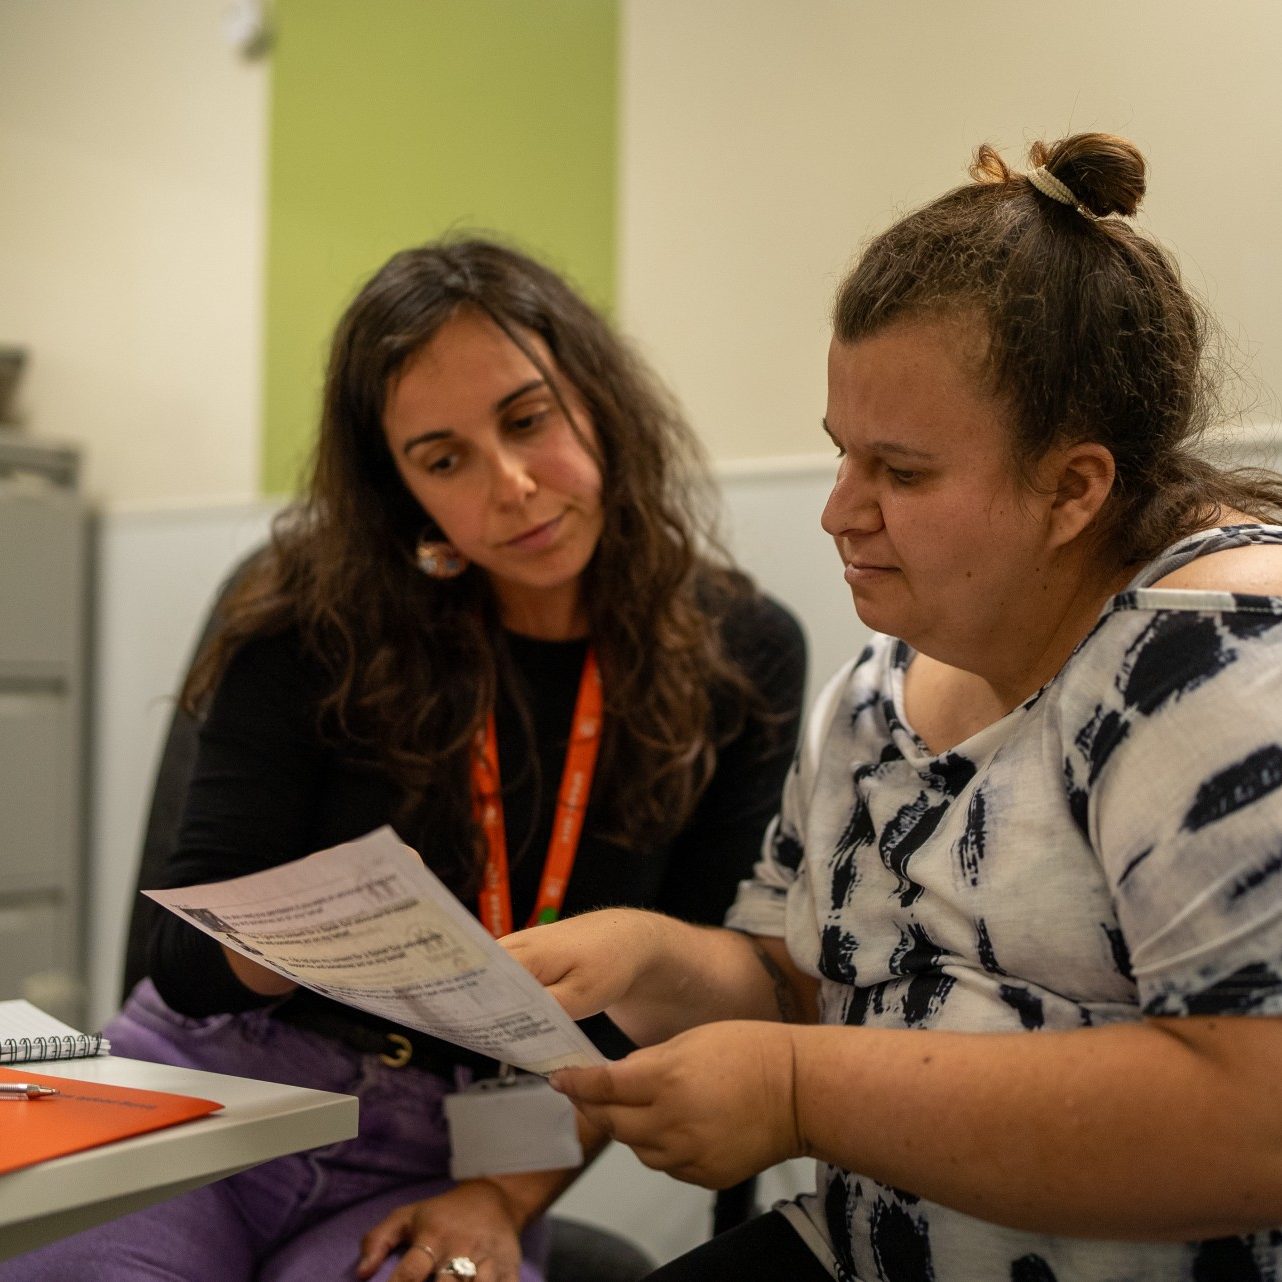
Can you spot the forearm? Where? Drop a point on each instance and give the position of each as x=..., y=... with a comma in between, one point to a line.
x=1162, y=1131
x=481, y=1218
x=656, y=976
x=530, y=1194
x=695, y=975
x=192, y=972
x=258, y=979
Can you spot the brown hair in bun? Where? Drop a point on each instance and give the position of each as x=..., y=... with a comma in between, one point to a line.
x=1090, y=333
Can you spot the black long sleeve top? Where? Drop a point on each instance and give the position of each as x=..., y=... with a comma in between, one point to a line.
x=268, y=788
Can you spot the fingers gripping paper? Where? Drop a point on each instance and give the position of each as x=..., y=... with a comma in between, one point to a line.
x=366, y=923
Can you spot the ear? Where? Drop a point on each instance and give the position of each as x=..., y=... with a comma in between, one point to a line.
x=1079, y=480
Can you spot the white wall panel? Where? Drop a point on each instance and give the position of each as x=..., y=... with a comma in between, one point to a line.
x=157, y=574
x=772, y=512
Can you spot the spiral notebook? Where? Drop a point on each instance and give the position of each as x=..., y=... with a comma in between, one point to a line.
x=29, y=1035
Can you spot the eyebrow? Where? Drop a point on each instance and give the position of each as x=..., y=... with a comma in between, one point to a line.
x=896, y=448
x=440, y=433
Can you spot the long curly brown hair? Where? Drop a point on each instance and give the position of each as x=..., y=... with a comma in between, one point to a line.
x=413, y=664
x=1089, y=333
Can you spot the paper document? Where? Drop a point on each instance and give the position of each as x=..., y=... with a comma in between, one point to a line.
x=366, y=923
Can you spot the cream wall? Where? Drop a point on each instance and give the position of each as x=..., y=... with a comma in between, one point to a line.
x=131, y=232
x=762, y=141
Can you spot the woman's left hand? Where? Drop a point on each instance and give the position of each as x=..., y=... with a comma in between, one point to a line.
x=475, y=1219
x=711, y=1106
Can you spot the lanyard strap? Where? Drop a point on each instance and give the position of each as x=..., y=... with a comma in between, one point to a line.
x=567, y=823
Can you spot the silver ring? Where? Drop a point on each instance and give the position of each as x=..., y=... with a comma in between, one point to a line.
x=459, y=1266
x=418, y=1246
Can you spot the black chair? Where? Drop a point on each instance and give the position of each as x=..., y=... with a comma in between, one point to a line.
x=579, y=1252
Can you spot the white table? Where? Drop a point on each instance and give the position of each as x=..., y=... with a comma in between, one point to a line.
x=258, y=1121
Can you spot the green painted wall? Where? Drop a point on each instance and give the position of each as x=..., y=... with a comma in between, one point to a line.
x=395, y=120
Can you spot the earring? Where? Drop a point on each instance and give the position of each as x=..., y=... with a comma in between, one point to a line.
x=439, y=559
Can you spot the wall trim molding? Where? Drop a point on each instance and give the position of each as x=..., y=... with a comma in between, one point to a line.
x=1252, y=437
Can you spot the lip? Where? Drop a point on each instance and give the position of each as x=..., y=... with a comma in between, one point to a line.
x=856, y=572
x=537, y=537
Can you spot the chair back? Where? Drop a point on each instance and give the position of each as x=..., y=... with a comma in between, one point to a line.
x=168, y=796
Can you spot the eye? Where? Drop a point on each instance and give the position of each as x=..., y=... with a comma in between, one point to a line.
x=901, y=476
x=440, y=464
x=527, y=420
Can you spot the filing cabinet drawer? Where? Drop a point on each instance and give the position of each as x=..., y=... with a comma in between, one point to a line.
x=38, y=959
x=39, y=791
x=42, y=555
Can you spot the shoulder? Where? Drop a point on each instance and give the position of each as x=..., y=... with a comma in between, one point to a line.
x=1255, y=569
x=1167, y=667
x=270, y=670
x=758, y=622
x=761, y=640
x=755, y=629
x=1240, y=556
x=276, y=651
x=1176, y=631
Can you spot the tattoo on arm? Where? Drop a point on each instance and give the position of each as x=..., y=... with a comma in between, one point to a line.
x=789, y=1008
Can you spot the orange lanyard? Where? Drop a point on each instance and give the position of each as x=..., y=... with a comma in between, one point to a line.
x=567, y=823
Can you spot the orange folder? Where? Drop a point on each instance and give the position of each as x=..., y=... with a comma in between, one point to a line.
x=82, y=1116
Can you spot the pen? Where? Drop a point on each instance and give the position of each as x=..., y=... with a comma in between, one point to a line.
x=26, y=1090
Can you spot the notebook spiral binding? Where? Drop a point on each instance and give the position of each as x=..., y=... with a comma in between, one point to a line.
x=22, y=1050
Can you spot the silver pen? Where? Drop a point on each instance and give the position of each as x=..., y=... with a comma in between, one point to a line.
x=26, y=1090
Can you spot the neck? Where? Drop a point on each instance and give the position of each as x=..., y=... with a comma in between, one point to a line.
x=1037, y=636
x=558, y=615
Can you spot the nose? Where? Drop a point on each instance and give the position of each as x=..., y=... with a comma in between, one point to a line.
x=852, y=506
x=513, y=483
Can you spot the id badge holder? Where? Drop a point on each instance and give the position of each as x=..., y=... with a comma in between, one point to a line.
x=508, y=1124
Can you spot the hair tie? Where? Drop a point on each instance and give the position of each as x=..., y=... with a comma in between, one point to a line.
x=1049, y=185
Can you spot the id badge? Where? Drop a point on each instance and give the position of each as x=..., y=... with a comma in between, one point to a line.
x=504, y=1125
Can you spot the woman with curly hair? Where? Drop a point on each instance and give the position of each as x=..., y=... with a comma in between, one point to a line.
x=503, y=530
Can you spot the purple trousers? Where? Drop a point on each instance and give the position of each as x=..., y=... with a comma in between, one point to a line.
x=296, y=1219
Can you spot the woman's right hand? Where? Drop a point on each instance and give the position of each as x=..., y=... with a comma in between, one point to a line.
x=593, y=961
x=473, y=1219
x=711, y=1106
x=653, y=975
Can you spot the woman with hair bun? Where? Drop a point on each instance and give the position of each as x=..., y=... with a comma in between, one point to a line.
x=503, y=556
x=1010, y=967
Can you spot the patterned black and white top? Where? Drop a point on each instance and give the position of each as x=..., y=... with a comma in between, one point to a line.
x=1112, y=848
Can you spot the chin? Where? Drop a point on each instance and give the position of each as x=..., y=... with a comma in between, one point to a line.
x=887, y=622
x=867, y=612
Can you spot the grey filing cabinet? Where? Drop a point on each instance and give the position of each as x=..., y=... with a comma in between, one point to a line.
x=44, y=595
